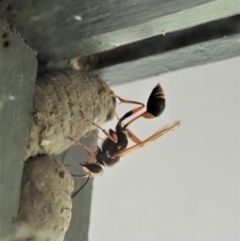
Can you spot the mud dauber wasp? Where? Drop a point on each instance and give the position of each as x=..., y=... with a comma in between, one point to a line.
x=115, y=145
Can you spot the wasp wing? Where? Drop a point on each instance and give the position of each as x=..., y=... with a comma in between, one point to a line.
x=159, y=134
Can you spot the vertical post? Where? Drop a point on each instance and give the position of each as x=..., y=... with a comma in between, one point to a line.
x=18, y=68
x=79, y=225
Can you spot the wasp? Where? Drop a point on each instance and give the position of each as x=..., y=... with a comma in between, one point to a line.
x=155, y=107
x=114, y=147
x=111, y=152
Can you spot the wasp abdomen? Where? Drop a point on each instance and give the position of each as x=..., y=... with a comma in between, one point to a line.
x=156, y=102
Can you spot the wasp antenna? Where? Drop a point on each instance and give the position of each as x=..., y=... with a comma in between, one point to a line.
x=74, y=194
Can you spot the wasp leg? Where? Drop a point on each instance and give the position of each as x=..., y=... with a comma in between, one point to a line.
x=132, y=136
x=144, y=114
x=113, y=138
x=157, y=135
x=110, y=92
x=95, y=135
x=85, y=147
x=116, y=114
x=86, y=175
x=131, y=112
x=127, y=101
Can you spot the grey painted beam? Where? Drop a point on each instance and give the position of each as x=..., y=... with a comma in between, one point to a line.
x=187, y=18
x=193, y=55
x=65, y=29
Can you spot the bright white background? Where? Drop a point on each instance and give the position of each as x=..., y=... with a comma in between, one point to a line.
x=186, y=185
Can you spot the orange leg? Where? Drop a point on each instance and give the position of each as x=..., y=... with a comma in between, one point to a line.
x=127, y=101
x=86, y=175
x=95, y=136
x=113, y=138
x=145, y=114
x=110, y=92
x=155, y=106
x=132, y=136
x=157, y=135
x=85, y=147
